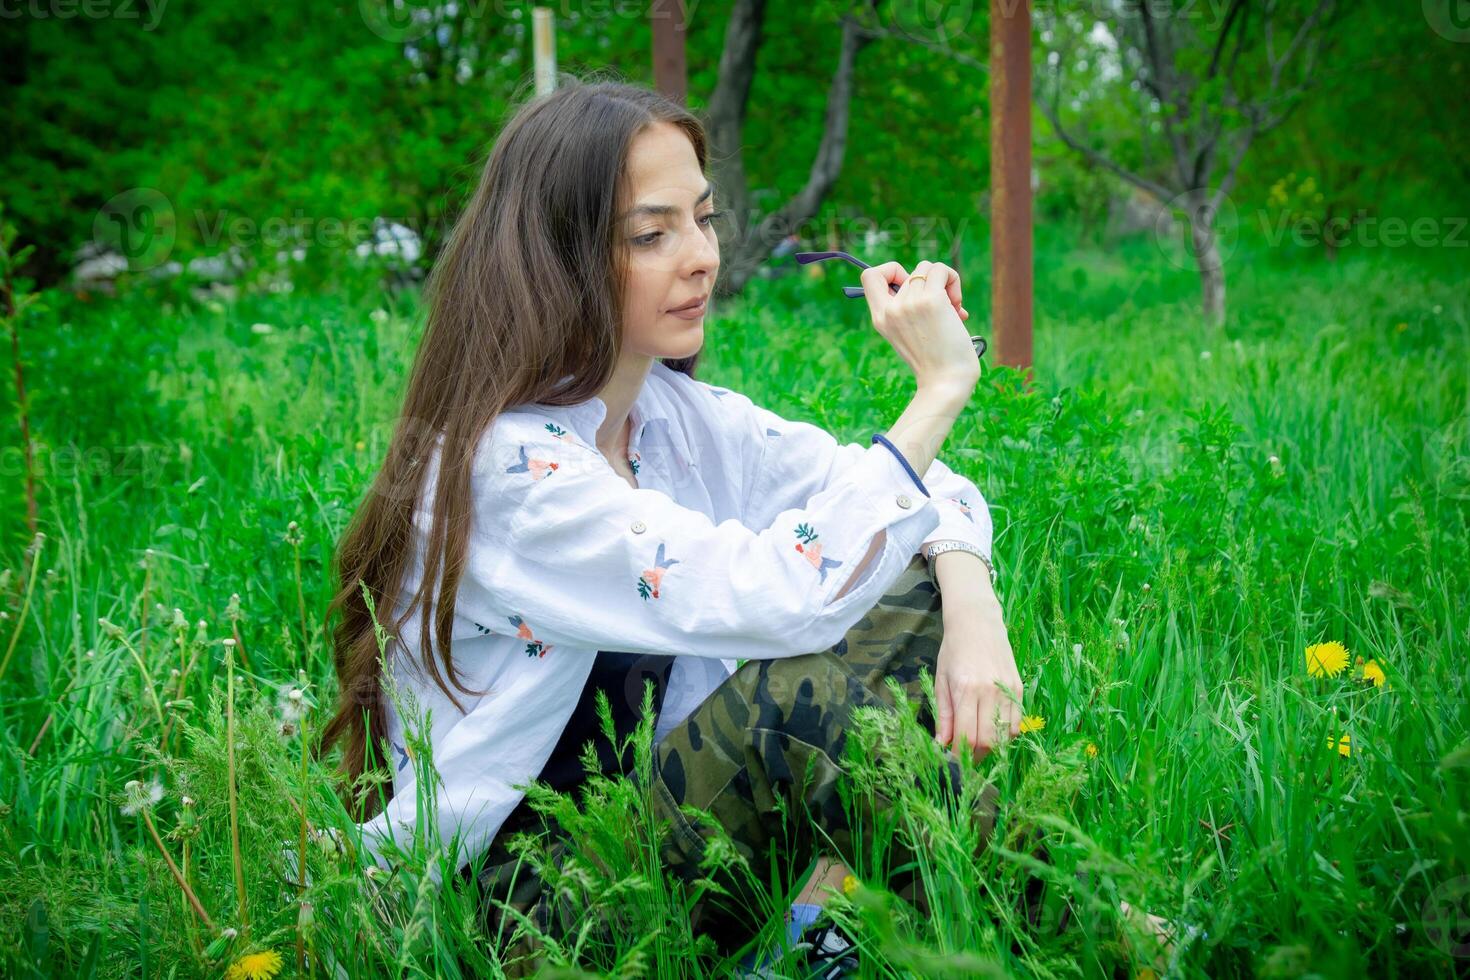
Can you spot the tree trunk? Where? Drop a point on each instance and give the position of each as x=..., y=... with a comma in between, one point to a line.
x=752, y=241
x=1211, y=268
x=725, y=119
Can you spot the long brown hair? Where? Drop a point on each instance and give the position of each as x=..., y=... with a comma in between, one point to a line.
x=527, y=290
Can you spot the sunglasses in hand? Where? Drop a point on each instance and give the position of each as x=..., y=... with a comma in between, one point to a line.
x=854, y=292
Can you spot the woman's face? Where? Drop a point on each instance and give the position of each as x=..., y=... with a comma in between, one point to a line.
x=669, y=245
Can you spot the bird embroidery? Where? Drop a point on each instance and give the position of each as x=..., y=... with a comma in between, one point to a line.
x=648, y=582
x=534, y=647
x=403, y=756
x=538, y=468
x=964, y=507
x=812, y=551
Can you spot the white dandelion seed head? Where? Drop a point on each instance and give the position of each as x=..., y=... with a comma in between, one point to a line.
x=187, y=800
x=1273, y=459
x=292, y=704
x=228, y=641
x=141, y=796
x=1146, y=587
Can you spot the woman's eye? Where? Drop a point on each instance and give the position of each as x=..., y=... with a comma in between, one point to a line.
x=652, y=236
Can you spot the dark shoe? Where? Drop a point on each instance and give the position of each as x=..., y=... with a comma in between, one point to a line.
x=827, y=951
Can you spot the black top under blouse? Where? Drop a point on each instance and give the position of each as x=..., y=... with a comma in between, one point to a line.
x=623, y=676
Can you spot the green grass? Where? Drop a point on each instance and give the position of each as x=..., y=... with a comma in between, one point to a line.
x=1172, y=531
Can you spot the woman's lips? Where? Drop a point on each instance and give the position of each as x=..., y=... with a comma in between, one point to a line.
x=692, y=313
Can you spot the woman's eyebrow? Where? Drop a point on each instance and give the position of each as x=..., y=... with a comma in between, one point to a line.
x=662, y=209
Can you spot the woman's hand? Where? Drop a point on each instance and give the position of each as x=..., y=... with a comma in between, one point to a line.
x=923, y=321
x=975, y=663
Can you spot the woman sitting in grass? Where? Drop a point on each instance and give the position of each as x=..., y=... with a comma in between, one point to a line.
x=566, y=510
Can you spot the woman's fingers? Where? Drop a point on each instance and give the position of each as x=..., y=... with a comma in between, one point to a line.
x=944, y=724
x=876, y=279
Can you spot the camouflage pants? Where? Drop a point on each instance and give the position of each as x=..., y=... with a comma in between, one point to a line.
x=771, y=734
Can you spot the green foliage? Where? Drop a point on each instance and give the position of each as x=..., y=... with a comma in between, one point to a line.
x=1172, y=529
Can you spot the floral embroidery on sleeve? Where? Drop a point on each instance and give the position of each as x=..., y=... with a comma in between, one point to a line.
x=633, y=459
x=648, y=582
x=964, y=508
x=813, y=551
x=534, y=647
x=560, y=433
x=538, y=468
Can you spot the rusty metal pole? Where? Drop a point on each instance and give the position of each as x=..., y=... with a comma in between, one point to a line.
x=670, y=72
x=1010, y=183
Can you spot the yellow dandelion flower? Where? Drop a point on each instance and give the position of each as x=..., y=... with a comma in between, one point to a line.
x=1031, y=723
x=849, y=885
x=1344, y=746
x=1373, y=672
x=1326, y=658
x=255, y=966
x=1092, y=749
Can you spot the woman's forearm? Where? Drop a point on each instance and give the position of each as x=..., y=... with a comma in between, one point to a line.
x=924, y=425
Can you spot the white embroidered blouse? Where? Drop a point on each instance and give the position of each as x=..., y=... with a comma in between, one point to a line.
x=742, y=530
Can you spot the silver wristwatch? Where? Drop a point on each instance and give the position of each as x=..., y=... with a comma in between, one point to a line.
x=939, y=548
